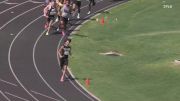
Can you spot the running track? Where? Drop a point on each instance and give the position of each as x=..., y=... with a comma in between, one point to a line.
x=29, y=68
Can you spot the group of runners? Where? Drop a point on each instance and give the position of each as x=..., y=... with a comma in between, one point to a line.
x=60, y=12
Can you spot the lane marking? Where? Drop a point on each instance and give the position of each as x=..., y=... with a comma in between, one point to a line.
x=13, y=6
x=8, y=82
x=5, y=96
x=34, y=62
x=10, y=3
x=44, y=95
x=37, y=70
x=92, y=95
x=19, y=16
x=9, y=57
x=57, y=56
x=16, y=96
x=35, y=2
x=3, y=1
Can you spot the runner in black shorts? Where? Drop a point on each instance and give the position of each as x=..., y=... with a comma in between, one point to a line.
x=78, y=3
x=65, y=10
x=64, y=53
x=91, y=2
x=49, y=13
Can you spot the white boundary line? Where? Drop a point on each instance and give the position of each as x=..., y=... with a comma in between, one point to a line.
x=8, y=82
x=9, y=57
x=3, y=1
x=16, y=96
x=113, y=6
x=5, y=96
x=13, y=6
x=19, y=16
x=35, y=2
x=9, y=3
x=34, y=62
x=37, y=70
x=44, y=95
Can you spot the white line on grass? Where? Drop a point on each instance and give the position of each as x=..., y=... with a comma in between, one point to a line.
x=158, y=33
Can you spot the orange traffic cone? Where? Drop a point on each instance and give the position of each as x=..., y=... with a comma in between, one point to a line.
x=87, y=82
x=102, y=21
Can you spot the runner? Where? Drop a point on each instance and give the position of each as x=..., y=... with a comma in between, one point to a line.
x=59, y=5
x=78, y=3
x=64, y=53
x=49, y=13
x=65, y=10
x=46, y=2
x=73, y=6
x=91, y=3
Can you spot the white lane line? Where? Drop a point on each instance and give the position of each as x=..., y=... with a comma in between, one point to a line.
x=70, y=71
x=19, y=16
x=5, y=96
x=8, y=82
x=34, y=62
x=9, y=57
x=44, y=95
x=13, y=6
x=89, y=97
x=10, y=3
x=16, y=96
x=3, y=1
x=35, y=2
x=37, y=70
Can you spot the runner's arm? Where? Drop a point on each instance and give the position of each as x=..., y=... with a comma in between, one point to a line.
x=45, y=11
x=60, y=52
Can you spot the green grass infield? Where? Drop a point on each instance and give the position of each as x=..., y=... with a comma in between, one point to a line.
x=146, y=34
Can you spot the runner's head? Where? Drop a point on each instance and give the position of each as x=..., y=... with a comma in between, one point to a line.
x=67, y=42
x=52, y=3
x=66, y=2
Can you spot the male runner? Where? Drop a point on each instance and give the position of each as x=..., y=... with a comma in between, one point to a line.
x=64, y=53
x=65, y=10
x=49, y=13
x=91, y=3
x=78, y=3
x=59, y=5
